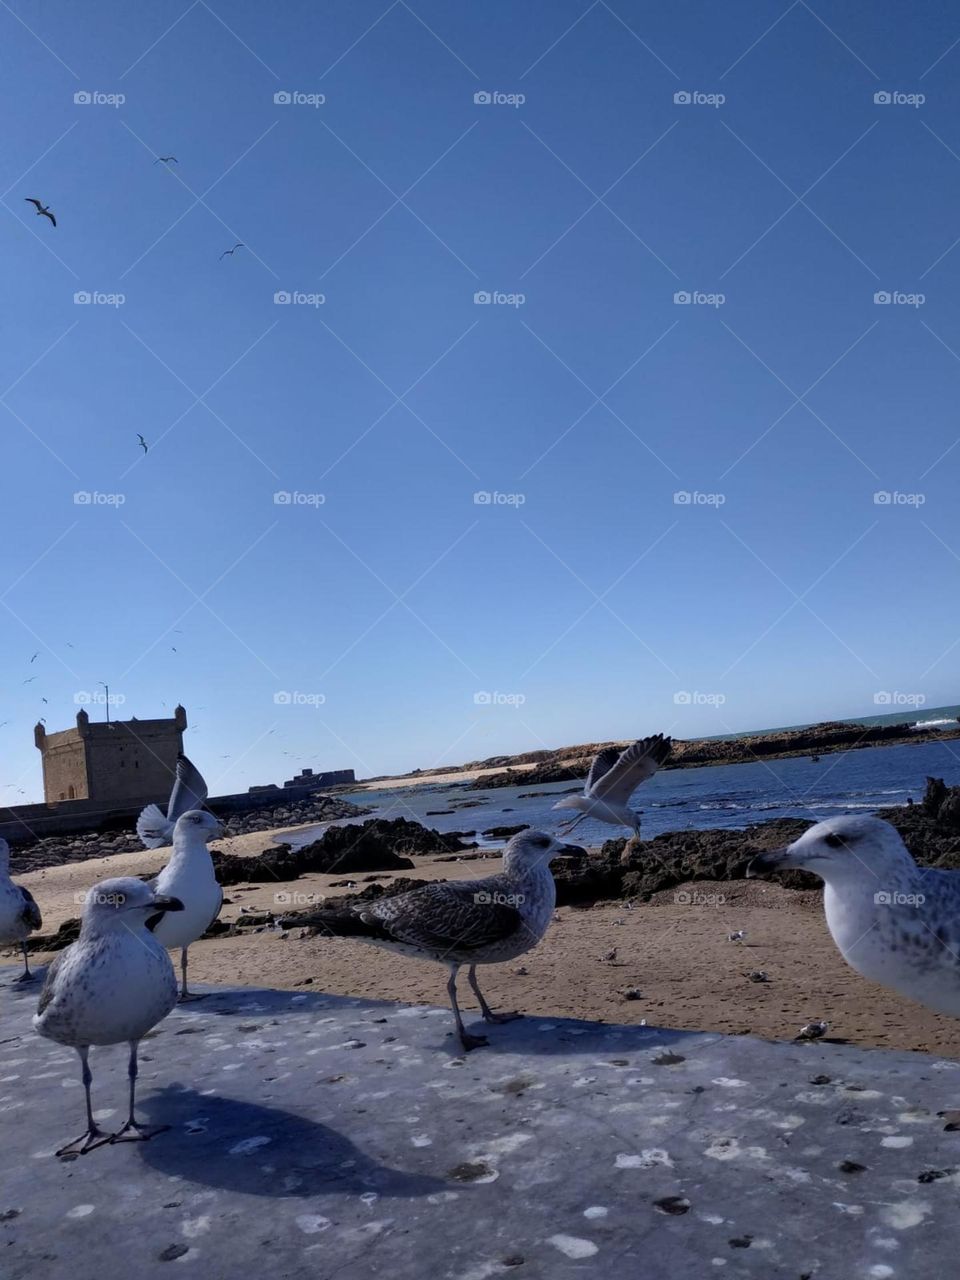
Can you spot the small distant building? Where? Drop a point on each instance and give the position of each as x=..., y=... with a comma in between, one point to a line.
x=115, y=761
x=333, y=777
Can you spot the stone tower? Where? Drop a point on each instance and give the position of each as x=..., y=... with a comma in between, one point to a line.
x=117, y=761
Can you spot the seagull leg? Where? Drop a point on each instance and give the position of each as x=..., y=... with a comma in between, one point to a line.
x=488, y=1014
x=568, y=827
x=466, y=1039
x=26, y=976
x=94, y=1136
x=132, y=1131
x=186, y=995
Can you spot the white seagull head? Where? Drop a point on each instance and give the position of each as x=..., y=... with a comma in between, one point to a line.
x=841, y=849
x=124, y=903
x=529, y=849
x=197, y=823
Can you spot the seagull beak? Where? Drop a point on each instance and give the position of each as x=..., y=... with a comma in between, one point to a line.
x=777, y=860
x=574, y=854
x=162, y=904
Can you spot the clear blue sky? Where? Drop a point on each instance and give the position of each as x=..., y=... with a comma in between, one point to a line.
x=399, y=598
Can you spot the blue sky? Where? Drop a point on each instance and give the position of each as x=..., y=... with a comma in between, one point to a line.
x=583, y=598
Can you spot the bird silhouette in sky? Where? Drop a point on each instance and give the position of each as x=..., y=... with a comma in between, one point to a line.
x=35, y=656
x=143, y=443
x=166, y=160
x=227, y=252
x=42, y=209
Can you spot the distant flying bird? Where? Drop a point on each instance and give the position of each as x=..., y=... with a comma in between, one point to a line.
x=30, y=680
x=613, y=778
x=143, y=443
x=226, y=252
x=33, y=659
x=42, y=209
x=43, y=700
x=166, y=160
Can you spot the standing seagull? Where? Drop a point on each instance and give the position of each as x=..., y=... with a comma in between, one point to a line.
x=43, y=210
x=457, y=922
x=189, y=792
x=614, y=776
x=228, y=252
x=894, y=922
x=190, y=877
x=19, y=914
x=112, y=985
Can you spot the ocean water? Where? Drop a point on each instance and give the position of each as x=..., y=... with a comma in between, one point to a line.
x=730, y=796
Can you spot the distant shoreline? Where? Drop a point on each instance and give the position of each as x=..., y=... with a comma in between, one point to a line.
x=566, y=764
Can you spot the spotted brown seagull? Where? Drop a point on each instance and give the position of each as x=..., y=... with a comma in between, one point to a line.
x=613, y=778
x=112, y=985
x=19, y=914
x=463, y=922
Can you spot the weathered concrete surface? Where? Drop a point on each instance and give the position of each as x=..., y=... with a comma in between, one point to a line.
x=314, y=1136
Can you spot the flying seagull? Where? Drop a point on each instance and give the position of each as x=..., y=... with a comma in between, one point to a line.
x=42, y=209
x=463, y=922
x=227, y=252
x=190, y=877
x=166, y=160
x=894, y=922
x=613, y=778
x=189, y=792
x=112, y=985
x=35, y=656
x=143, y=443
x=19, y=914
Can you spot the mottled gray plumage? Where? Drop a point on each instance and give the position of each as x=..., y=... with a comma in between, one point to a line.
x=19, y=914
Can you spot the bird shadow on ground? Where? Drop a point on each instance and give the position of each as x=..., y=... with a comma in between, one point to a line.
x=263, y=1151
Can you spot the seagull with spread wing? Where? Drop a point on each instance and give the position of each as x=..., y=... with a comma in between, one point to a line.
x=613, y=778
x=229, y=252
x=462, y=922
x=19, y=914
x=166, y=160
x=43, y=210
x=189, y=792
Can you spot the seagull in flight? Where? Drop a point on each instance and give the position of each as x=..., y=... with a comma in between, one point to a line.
x=30, y=680
x=166, y=160
x=143, y=443
x=35, y=656
x=226, y=252
x=42, y=209
x=613, y=778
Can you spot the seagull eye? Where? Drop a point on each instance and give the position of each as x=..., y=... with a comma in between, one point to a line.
x=541, y=842
x=834, y=841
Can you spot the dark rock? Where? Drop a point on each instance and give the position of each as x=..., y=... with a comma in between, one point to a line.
x=504, y=833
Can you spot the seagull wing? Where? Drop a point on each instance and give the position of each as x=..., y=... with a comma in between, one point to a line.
x=47, y=214
x=189, y=790
x=153, y=828
x=30, y=200
x=603, y=762
x=446, y=917
x=635, y=765
x=30, y=912
x=50, y=982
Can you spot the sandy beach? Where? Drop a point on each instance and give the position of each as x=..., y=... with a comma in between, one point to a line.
x=672, y=949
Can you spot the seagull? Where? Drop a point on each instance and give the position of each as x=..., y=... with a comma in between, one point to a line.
x=738, y=935
x=463, y=922
x=143, y=443
x=609, y=956
x=35, y=656
x=614, y=776
x=189, y=792
x=190, y=877
x=166, y=160
x=112, y=985
x=812, y=1031
x=758, y=975
x=227, y=252
x=42, y=209
x=19, y=914
x=894, y=922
